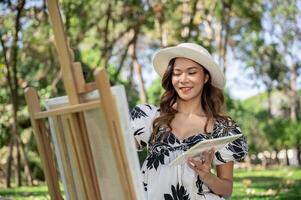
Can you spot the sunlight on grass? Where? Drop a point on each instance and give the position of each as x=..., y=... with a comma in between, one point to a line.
x=267, y=184
x=28, y=193
x=281, y=183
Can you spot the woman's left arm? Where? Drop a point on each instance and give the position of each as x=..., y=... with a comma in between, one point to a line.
x=220, y=184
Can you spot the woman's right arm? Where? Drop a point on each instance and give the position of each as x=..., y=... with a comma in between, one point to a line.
x=142, y=117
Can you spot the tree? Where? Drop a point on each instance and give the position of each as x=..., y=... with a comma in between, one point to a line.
x=10, y=51
x=287, y=16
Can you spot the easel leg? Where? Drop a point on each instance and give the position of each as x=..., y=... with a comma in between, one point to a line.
x=44, y=146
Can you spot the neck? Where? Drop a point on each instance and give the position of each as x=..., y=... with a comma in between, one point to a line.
x=190, y=107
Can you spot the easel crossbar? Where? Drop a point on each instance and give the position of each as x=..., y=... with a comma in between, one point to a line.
x=68, y=109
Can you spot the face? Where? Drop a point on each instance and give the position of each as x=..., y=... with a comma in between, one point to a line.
x=188, y=79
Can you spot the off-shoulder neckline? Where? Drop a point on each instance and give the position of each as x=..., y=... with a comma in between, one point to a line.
x=207, y=135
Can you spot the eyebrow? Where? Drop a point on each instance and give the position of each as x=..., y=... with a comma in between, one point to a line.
x=189, y=68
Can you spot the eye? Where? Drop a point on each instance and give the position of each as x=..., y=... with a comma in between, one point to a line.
x=176, y=74
x=192, y=73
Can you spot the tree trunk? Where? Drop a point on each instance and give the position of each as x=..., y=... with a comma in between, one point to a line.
x=26, y=164
x=191, y=19
x=137, y=67
x=224, y=33
x=15, y=135
x=163, y=34
x=105, y=53
x=269, y=92
x=185, y=19
x=210, y=29
x=123, y=58
x=138, y=71
x=18, y=166
x=221, y=35
x=11, y=62
x=277, y=159
x=248, y=161
x=298, y=153
x=9, y=163
x=293, y=102
x=158, y=9
x=286, y=157
x=293, y=93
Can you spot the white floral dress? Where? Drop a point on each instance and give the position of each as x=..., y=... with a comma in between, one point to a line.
x=180, y=182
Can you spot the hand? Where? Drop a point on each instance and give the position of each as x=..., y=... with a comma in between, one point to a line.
x=202, y=166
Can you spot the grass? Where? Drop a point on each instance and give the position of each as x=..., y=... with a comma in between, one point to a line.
x=25, y=193
x=276, y=183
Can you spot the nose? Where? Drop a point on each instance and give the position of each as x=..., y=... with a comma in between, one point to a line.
x=183, y=77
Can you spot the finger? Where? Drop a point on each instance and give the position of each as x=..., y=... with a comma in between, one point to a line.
x=207, y=157
x=201, y=168
x=211, y=156
x=195, y=163
x=191, y=165
x=204, y=156
x=201, y=158
x=190, y=162
x=204, y=153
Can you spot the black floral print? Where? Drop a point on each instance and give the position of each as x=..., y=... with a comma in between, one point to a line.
x=136, y=112
x=199, y=184
x=171, y=139
x=158, y=153
x=238, y=147
x=145, y=186
x=192, y=140
x=219, y=157
x=139, y=131
x=177, y=193
x=143, y=144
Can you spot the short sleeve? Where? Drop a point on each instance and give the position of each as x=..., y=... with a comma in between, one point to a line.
x=142, y=117
x=234, y=151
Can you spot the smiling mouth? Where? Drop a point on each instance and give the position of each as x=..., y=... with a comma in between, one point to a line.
x=185, y=89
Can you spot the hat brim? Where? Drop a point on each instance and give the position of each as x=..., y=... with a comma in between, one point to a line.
x=162, y=57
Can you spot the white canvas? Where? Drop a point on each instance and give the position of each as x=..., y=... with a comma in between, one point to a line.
x=102, y=152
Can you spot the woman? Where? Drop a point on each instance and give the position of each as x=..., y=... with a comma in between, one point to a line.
x=191, y=110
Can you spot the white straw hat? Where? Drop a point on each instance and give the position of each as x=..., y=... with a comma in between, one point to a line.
x=191, y=51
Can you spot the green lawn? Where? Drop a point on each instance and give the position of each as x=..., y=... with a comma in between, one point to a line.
x=25, y=193
x=281, y=183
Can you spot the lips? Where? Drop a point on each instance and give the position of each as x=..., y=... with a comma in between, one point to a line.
x=185, y=89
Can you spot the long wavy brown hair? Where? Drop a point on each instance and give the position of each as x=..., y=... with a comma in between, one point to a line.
x=212, y=102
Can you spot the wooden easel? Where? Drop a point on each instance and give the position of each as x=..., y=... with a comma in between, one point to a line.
x=75, y=128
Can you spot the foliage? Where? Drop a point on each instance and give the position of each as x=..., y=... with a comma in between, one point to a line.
x=274, y=133
x=154, y=92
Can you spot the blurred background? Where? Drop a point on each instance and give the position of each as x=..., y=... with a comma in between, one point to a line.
x=257, y=43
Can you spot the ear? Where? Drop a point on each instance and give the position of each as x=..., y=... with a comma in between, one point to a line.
x=206, y=78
